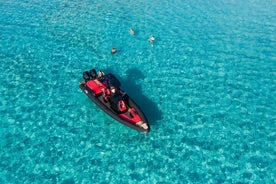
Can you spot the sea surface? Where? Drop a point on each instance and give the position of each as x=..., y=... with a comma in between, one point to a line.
x=207, y=86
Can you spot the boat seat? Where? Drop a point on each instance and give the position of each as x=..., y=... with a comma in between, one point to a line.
x=94, y=87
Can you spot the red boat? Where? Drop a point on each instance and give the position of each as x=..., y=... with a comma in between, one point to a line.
x=104, y=90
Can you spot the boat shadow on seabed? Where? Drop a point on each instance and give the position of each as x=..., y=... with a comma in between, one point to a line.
x=129, y=84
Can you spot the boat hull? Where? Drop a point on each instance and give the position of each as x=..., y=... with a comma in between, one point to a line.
x=105, y=106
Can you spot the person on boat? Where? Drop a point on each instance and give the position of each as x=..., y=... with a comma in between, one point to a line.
x=100, y=74
x=131, y=31
x=113, y=50
x=142, y=124
x=82, y=82
x=100, y=79
x=112, y=90
x=132, y=114
x=152, y=39
x=106, y=94
x=109, y=92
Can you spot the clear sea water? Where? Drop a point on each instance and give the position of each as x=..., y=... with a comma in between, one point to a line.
x=207, y=86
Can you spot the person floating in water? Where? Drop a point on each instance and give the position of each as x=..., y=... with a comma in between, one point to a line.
x=131, y=31
x=113, y=50
x=151, y=39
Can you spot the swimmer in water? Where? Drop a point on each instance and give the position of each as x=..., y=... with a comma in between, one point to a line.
x=151, y=39
x=131, y=31
x=113, y=50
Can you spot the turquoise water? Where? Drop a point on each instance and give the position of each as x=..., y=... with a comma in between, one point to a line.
x=207, y=86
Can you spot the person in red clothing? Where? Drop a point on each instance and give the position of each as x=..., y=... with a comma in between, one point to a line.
x=105, y=94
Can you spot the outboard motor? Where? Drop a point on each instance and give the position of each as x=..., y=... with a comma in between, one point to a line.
x=93, y=74
x=86, y=76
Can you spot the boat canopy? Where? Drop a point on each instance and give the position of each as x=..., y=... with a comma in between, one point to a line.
x=112, y=81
